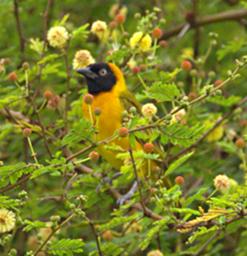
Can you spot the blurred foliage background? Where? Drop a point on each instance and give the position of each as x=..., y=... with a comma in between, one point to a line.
x=56, y=195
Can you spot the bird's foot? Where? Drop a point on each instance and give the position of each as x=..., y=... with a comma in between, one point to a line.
x=128, y=195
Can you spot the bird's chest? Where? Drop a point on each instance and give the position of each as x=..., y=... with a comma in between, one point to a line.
x=110, y=117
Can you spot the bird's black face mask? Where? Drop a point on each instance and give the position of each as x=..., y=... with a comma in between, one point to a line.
x=99, y=76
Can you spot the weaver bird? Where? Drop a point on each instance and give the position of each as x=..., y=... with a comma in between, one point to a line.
x=106, y=83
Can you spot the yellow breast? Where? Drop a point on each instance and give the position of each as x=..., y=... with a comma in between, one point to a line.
x=109, y=120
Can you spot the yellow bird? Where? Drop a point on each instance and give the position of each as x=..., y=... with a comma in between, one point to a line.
x=107, y=84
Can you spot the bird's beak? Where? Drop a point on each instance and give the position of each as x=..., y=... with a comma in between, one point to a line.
x=87, y=72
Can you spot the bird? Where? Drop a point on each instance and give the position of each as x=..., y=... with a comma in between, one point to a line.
x=106, y=82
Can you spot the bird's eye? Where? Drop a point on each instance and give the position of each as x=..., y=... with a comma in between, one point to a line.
x=103, y=72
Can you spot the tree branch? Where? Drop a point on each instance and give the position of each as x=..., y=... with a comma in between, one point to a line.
x=19, y=29
x=235, y=15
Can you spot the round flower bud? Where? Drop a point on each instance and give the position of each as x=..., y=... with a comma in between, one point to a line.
x=123, y=132
x=113, y=24
x=25, y=65
x=88, y=98
x=55, y=218
x=97, y=111
x=99, y=28
x=179, y=180
x=53, y=102
x=243, y=123
x=222, y=183
x=48, y=94
x=192, y=96
x=94, y=156
x=163, y=44
x=157, y=33
x=148, y=147
x=26, y=132
x=12, y=76
x=12, y=252
x=193, y=73
x=107, y=235
x=58, y=36
x=149, y=110
x=218, y=82
x=140, y=41
x=135, y=227
x=82, y=59
x=136, y=70
x=211, y=74
x=186, y=65
x=155, y=253
x=119, y=18
x=240, y=143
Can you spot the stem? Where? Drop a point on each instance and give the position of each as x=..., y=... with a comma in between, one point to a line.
x=19, y=29
x=66, y=60
x=53, y=233
x=32, y=150
x=137, y=180
x=142, y=81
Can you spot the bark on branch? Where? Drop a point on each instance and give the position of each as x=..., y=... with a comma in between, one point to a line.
x=235, y=15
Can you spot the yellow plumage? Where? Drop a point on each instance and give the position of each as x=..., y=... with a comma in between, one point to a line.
x=111, y=107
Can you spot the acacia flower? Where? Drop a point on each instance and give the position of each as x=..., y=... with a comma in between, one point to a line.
x=179, y=116
x=117, y=9
x=149, y=110
x=140, y=41
x=7, y=220
x=222, y=182
x=58, y=36
x=99, y=28
x=82, y=59
x=155, y=253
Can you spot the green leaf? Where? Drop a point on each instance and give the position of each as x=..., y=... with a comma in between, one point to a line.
x=30, y=225
x=232, y=47
x=66, y=247
x=224, y=102
x=163, y=92
x=158, y=225
x=178, y=162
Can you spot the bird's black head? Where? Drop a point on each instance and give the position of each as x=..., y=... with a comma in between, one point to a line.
x=99, y=76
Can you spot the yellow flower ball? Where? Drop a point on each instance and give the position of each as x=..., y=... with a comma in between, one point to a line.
x=149, y=110
x=82, y=59
x=7, y=220
x=99, y=28
x=222, y=183
x=58, y=36
x=140, y=41
x=155, y=253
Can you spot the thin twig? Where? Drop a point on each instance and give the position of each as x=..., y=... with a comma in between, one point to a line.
x=19, y=29
x=53, y=233
x=206, y=20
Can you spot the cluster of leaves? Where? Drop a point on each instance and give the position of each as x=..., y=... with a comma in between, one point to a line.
x=65, y=200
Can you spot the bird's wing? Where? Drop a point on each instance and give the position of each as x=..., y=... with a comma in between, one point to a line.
x=128, y=100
